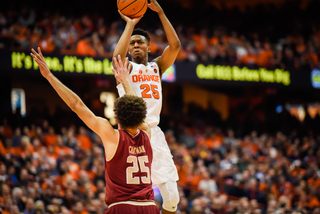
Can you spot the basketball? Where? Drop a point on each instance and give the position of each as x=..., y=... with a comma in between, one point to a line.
x=132, y=8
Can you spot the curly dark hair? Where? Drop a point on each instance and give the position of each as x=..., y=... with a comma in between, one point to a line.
x=130, y=111
x=141, y=32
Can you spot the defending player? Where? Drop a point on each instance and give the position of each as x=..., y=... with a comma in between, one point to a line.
x=145, y=79
x=128, y=152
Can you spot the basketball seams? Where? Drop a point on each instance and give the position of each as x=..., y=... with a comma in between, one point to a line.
x=128, y=5
x=132, y=8
x=140, y=9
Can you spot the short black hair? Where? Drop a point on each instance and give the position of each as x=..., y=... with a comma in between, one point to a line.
x=141, y=32
x=130, y=111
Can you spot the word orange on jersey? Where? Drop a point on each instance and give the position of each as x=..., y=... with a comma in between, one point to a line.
x=144, y=78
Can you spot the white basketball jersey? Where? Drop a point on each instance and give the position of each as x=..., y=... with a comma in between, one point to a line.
x=146, y=82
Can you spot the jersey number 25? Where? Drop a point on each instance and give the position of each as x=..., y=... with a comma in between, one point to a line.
x=146, y=88
x=134, y=169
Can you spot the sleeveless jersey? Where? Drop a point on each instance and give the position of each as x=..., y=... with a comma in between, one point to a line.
x=128, y=173
x=146, y=82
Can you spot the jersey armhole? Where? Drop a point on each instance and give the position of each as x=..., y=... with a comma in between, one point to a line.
x=154, y=60
x=116, y=149
x=147, y=134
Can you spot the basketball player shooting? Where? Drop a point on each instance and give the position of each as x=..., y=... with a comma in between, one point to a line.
x=128, y=151
x=145, y=78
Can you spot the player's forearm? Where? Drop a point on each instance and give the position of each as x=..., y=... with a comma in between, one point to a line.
x=145, y=127
x=171, y=34
x=68, y=96
x=123, y=43
x=128, y=88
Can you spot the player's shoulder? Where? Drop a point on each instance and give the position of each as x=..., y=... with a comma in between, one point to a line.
x=153, y=63
x=156, y=60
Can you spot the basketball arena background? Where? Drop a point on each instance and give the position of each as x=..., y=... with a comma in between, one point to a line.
x=241, y=104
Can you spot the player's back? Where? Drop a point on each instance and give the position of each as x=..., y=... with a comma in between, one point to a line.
x=146, y=82
x=128, y=172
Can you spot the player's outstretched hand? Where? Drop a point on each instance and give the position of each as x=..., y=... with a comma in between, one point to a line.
x=38, y=57
x=155, y=6
x=134, y=21
x=121, y=71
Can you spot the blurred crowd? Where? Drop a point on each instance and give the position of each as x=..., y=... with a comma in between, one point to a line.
x=45, y=172
x=289, y=38
x=221, y=173
x=50, y=168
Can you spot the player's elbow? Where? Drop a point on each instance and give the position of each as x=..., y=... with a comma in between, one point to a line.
x=75, y=105
x=118, y=53
x=115, y=54
x=177, y=45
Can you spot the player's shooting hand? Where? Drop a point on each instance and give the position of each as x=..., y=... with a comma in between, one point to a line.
x=121, y=71
x=38, y=57
x=134, y=21
x=155, y=6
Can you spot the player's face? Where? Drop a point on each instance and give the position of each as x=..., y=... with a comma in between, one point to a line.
x=138, y=47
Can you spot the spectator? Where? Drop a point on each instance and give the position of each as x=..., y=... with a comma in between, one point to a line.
x=60, y=149
x=29, y=209
x=85, y=48
x=5, y=193
x=68, y=200
x=78, y=208
x=39, y=207
x=14, y=209
x=83, y=137
x=207, y=184
x=18, y=198
x=51, y=137
x=16, y=138
x=3, y=173
x=7, y=130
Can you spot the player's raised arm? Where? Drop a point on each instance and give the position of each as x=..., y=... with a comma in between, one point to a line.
x=99, y=125
x=121, y=73
x=124, y=41
x=170, y=53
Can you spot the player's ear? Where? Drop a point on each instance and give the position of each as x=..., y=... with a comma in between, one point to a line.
x=149, y=49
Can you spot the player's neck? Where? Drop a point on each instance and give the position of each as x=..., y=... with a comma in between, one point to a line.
x=141, y=61
x=132, y=131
